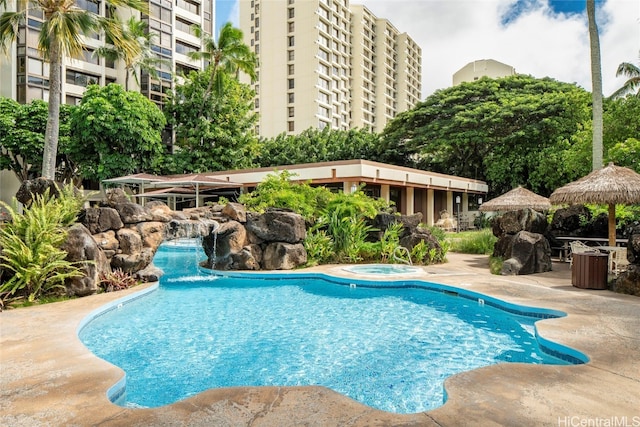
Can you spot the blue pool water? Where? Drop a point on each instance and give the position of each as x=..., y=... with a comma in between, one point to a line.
x=382, y=269
x=390, y=348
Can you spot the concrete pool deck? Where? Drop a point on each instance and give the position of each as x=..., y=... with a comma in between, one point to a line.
x=48, y=377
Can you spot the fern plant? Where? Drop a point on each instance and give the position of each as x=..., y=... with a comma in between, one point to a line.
x=31, y=246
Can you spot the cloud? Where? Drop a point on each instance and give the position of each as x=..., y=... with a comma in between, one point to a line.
x=530, y=35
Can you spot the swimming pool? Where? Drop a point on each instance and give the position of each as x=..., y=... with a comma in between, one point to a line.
x=388, y=345
x=383, y=269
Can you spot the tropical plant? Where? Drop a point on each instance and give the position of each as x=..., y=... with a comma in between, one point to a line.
x=390, y=241
x=31, y=246
x=116, y=280
x=319, y=246
x=60, y=36
x=227, y=57
x=135, y=50
x=632, y=85
x=277, y=191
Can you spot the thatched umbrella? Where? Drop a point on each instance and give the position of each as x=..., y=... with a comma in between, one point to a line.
x=610, y=185
x=516, y=199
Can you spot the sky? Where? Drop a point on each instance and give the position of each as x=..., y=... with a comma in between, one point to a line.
x=541, y=38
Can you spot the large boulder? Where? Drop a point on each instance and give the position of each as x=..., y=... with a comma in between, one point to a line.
x=152, y=233
x=159, y=211
x=633, y=247
x=220, y=244
x=570, y=221
x=382, y=221
x=98, y=220
x=132, y=213
x=36, y=186
x=129, y=240
x=277, y=226
x=235, y=211
x=244, y=260
x=131, y=263
x=283, y=256
x=81, y=248
x=107, y=241
x=629, y=281
x=513, y=222
x=530, y=253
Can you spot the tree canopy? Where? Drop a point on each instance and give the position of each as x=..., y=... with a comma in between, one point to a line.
x=60, y=36
x=314, y=145
x=115, y=132
x=212, y=131
x=22, y=129
x=508, y=132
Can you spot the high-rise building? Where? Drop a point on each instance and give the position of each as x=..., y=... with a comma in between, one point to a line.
x=482, y=68
x=327, y=63
x=24, y=75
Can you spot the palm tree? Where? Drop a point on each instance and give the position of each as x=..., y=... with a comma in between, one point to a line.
x=596, y=84
x=134, y=51
x=226, y=57
x=632, y=85
x=60, y=36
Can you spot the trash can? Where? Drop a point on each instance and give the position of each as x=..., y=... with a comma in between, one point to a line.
x=589, y=270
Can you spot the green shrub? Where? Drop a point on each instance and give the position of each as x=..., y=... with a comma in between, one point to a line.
x=32, y=243
x=277, y=191
x=474, y=242
x=319, y=247
x=390, y=241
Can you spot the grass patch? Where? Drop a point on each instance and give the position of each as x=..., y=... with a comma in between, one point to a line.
x=473, y=241
x=495, y=265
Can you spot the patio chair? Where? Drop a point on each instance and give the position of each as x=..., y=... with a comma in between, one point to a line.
x=577, y=247
x=618, y=261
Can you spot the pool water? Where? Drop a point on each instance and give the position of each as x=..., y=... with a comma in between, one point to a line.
x=388, y=348
x=383, y=269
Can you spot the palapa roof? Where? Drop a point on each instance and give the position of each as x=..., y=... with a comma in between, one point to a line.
x=516, y=199
x=609, y=185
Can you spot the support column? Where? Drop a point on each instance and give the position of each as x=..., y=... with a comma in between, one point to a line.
x=385, y=192
x=408, y=191
x=348, y=186
x=450, y=202
x=465, y=203
x=430, y=211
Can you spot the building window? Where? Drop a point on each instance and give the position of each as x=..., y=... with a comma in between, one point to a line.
x=292, y=84
x=291, y=13
x=291, y=41
x=290, y=69
x=89, y=5
x=81, y=79
x=291, y=97
x=257, y=35
x=291, y=126
x=292, y=55
x=291, y=111
x=292, y=27
x=184, y=48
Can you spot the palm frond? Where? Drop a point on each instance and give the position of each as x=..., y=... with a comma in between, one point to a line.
x=9, y=22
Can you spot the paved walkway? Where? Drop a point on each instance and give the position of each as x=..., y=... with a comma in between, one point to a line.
x=48, y=378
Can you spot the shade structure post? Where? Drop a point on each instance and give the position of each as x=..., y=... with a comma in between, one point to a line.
x=612, y=224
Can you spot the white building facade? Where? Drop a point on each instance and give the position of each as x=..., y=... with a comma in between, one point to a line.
x=325, y=63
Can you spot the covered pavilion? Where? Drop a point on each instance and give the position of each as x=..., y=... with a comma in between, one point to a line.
x=412, y=190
